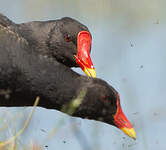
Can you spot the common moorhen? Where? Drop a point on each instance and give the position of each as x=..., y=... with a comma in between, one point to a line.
x=65, y=40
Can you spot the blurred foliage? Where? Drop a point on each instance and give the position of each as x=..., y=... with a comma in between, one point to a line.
x=11, y=143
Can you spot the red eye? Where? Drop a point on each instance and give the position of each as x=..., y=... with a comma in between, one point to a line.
x=67, y=38
x=105, y=99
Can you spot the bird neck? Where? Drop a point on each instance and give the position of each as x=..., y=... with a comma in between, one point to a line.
x=37, y=33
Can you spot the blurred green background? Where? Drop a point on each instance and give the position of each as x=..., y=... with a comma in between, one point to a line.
x=128, y=51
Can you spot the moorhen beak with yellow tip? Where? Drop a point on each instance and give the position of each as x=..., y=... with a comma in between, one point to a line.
x=83, y=58
x=121, y=121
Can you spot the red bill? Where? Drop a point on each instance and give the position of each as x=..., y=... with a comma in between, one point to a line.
x=83, y=53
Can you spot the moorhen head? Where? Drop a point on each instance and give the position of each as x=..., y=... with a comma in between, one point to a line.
x=102, y=103
x=65, y=40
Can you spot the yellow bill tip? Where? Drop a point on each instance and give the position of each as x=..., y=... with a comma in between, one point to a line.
x=90, y=72
x=130, y=132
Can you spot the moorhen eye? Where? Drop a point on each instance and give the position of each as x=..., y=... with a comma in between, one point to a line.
x=105, y=100
x=67, y=38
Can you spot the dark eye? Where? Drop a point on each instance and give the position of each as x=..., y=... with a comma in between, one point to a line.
x=67, y=38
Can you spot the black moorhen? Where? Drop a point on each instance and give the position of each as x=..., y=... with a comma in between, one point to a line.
x=25, y=75
x=66, y=40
